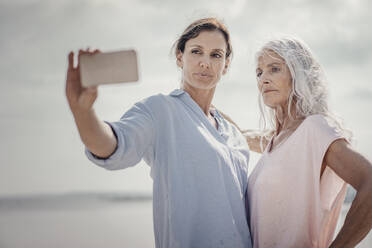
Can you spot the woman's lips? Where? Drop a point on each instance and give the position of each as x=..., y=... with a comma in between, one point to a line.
x=268, y=91
x=202, y=74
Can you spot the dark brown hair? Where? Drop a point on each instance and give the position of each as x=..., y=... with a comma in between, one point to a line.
x=195, y=28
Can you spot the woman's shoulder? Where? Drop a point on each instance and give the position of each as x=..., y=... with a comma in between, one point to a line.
x=315, y=117
x=158, y=106
x=319, y=125
x=321, y=119
x=316, y=120
x=156, y=100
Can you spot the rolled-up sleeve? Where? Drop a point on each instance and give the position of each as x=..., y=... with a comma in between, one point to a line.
x=135, y=133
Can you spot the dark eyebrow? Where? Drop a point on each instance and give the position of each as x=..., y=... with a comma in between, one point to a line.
x=215, y=50
x=196, y=46
x=219, y=50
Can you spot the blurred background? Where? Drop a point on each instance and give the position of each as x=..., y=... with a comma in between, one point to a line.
x=50, y=194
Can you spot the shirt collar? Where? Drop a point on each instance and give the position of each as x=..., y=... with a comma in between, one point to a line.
x=196, y=108
x=177, y=92
x=213, y=110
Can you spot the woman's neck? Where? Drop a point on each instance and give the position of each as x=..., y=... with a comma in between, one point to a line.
x=284, y=121
x=202, y=97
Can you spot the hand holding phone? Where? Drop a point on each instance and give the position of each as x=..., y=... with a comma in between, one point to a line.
x=108, y=68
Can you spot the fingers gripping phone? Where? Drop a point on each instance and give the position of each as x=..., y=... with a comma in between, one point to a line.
x=108, y=68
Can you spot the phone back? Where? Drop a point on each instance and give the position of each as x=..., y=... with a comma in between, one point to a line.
x=108, y=68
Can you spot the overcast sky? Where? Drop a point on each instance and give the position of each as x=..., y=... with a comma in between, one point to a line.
x=40, y=148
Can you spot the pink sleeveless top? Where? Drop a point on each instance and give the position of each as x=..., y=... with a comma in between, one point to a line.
x=289, y=204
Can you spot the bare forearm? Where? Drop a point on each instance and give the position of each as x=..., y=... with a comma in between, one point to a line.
x=358, y=221
x=95, y=134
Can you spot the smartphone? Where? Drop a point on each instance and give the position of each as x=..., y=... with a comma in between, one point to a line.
x=108, y=68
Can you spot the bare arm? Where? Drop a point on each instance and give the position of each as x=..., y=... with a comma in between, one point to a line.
x=95, y=134
x=357, y=171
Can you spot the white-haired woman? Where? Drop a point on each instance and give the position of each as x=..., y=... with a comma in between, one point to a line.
x=297, y=188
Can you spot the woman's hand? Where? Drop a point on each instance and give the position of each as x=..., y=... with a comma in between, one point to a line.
x=253, y=138
x=80, y=99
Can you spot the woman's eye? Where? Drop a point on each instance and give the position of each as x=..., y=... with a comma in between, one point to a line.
x=195, y=51
x=275, y=69
x=258, y=74
x=216, y=55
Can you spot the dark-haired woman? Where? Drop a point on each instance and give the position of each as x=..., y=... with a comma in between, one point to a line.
x=199, y=161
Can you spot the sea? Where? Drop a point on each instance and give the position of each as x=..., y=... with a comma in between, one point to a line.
x=88, y=219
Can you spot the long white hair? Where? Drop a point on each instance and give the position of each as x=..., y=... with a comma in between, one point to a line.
x=309, y=85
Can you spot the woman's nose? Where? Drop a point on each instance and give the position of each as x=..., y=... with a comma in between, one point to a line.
x=204, y=63
x=264, y=79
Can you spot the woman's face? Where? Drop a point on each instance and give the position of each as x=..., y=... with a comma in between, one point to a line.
x=274, y=79
x=203, y=61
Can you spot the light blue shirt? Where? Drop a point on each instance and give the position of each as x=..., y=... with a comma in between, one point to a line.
x=200, y=173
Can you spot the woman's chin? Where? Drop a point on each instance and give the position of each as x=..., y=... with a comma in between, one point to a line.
x=202, y=85
x=270, y=104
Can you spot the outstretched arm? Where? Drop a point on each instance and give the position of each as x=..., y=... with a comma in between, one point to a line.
x=95, y=134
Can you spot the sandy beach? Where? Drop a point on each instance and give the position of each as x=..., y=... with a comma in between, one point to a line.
x=84, y=221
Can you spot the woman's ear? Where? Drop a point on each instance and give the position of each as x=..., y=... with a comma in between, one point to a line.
x=179, y=59
x=227, y=64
